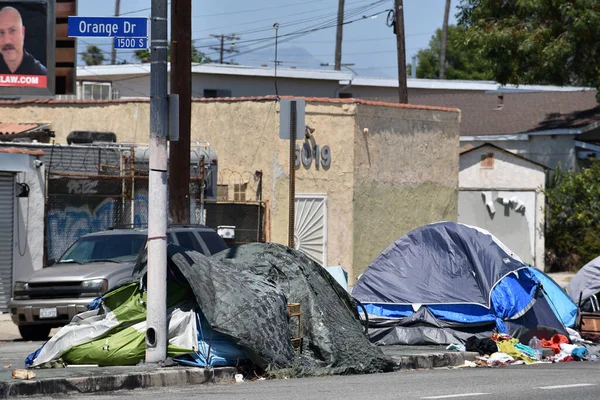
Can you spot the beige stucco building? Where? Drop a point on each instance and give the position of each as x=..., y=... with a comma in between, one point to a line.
x=392, y=167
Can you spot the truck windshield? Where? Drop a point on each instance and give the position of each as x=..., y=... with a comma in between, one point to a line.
x=104, y=248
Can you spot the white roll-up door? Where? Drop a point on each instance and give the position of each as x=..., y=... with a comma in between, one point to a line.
x=7, y=201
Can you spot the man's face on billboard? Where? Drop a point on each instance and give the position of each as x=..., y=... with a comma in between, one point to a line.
x=12, y=35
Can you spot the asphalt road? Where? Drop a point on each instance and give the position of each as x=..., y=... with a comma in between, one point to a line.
x=573, y=381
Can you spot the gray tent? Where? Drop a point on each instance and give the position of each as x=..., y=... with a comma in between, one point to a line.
x=444, y=282
x=586, y=283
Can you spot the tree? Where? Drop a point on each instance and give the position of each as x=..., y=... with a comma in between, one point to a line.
x=536, y=41
x=197, y=56
x=93, y=55
x=462, y=61
x=573, y=225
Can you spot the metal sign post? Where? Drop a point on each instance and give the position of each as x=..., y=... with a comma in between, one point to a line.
x=292, y=127
x=292, y=198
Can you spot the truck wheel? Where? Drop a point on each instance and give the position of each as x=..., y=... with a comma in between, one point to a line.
x=34, y=332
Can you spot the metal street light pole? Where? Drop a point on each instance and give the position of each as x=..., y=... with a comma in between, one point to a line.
x=156, y=320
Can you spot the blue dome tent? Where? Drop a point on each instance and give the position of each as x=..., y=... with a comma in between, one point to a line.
x=445, y=282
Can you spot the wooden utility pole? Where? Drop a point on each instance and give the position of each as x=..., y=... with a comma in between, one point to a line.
x=221, y=48
x=401, y=48
x=113, y=54
x=339, y=36
x=181, y=84
x=444, y=40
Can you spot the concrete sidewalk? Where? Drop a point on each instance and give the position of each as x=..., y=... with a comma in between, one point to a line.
x=106, y=379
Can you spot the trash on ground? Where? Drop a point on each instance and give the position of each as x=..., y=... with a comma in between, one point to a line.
x=23, y=374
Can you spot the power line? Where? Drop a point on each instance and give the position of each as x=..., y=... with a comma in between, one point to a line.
x=293, y=36
x=324, y=25
x=369, y=39
x=221, y=49
x=257, y=9
x=291, y=23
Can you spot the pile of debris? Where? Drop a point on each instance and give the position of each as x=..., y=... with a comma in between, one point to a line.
x=263, y=305
x=503, y=350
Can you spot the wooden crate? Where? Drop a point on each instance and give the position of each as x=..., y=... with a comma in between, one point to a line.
x=589, y=323
x=294, y=310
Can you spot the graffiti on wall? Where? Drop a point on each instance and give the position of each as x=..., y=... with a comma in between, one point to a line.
x=140, y=209
x=67, y=221
x=66, y=225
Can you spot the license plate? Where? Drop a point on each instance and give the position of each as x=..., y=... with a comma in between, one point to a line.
x=48, y=313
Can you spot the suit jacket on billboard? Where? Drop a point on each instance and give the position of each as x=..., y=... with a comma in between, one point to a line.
x=29, y=66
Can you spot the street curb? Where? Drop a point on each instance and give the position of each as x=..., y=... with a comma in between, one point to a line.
x=433, y=360
x=104, y=383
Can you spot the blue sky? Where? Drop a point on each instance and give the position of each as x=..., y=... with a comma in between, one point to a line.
x=368, y=42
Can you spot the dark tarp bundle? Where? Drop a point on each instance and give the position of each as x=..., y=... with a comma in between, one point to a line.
x=333, y=337
x=243, y=306
x=445, y=282
x=243, y=293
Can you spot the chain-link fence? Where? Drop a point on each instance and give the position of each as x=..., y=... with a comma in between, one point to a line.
x=95, y=188
x=244, y=219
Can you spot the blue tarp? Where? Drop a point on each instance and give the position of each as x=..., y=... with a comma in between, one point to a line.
x=560, y=302
x=214, y=348
x=340, y=275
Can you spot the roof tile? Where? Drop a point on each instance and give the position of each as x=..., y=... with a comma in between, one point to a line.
x=16, y=128
x=240, y=99
x=14, y=150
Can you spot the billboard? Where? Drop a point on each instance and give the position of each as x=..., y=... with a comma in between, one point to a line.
x=27, y=47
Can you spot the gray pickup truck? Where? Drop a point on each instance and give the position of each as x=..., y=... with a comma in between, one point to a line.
x=94, y=264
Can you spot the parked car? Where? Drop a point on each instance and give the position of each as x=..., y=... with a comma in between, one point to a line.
x=94, y=264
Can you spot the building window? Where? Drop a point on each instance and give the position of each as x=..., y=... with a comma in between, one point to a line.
x=95, y=91
x=214, y=93
x=487, y=160
x=223, y=192
x=239, y=191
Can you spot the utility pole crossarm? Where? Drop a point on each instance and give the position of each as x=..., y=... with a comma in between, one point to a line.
x=221, y=48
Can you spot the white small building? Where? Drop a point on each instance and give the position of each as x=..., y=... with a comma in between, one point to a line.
x=22, y=191
x=503, y=193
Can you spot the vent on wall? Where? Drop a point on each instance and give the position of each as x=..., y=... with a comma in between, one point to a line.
x=500, y=104
x=487, y=160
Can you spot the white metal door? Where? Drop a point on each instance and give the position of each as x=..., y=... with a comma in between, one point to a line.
x=7, y=199
x=310, y=226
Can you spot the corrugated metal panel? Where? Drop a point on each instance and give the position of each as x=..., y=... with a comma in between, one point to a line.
x=7, y=198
